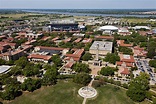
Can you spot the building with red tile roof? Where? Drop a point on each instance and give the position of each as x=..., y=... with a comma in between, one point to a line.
x=74, y=56
x=105, y=37
x=15, y=54
x=77, y=40
x=139, y=52
x=56, y=38
x=41, y=58
x=45, y=38
x=87, y=40
x=67, y=40
x=127, y=58
x=12, y=45
x=122, y=44
x=123, y=71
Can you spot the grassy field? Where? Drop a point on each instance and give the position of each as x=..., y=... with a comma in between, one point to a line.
x=109, y=95
x=61, y=93
x=67, y=93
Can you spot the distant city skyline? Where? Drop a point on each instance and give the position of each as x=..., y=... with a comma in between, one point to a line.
x=77, y=4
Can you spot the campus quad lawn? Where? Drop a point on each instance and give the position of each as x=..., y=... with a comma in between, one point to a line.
x=62, y=93
x=109, y=95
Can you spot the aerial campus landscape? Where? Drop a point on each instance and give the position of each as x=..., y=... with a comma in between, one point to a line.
x=89, y=52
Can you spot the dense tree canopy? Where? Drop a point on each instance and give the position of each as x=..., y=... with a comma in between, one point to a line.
x=112, y=58
x=152, y=63
x=125, y=50
x=82, y=78
x=56, y=60
x=138, y=87
x=106, y=71
x=31, y=84
x=50, y=76
x=87, y=56
x=81, y=67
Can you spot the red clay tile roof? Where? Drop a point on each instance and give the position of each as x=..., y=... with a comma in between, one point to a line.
x=125, y=71
x=76, y=55
x=44, y=57
x=78, y=40
x=69, y=64
x=87, y=40
x=105, y=37
x=130, y=58
x=51, y=48
x=121, y=43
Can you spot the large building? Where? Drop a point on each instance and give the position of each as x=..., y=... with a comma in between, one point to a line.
x=63, y=25
x=104, y=48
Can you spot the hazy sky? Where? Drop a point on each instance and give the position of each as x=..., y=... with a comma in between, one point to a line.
x=79, y=4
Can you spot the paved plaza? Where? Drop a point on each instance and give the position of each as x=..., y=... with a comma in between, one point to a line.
x=87, y=92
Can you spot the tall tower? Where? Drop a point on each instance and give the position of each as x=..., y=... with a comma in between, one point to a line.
x=97, y=52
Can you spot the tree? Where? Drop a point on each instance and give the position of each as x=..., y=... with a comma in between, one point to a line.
x=22, y=62
x=31, y=84
x=82, y=78
x=11, y=91
x=56, y=60
x=125, y=50
x=81, y=67
x=138, y=87
x=50, y=76
x=112, y=58
x=2, y=62
x=151, y=47
x=106, y=71
x=87, y=56
x=152, y=63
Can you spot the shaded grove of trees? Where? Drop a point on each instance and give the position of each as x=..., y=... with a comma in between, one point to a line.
x=31, y=84
x=151, y=49
x=81, y=67
x=138, y=88
x=87, y=56
x=125, y=50
x=111, y=58
x=82, y=78
x=56, y=60
x=152, y=63
x=50, y=76
x=107, y=71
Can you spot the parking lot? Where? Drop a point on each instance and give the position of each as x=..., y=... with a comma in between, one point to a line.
x=143, y=66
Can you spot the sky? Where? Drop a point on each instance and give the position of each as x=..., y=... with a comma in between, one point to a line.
x=77, y=4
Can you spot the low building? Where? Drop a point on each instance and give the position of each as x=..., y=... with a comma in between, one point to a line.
x=39, y=58
x=16, y=53
x=124, y=31
x=32, y=35
x=104, y=37
x=50, y=50
x=87, y=40
x=4, y=69
x=126, y=60
x=75, y=56
x=104, y=48
x=139, y=52
x=78, y=34
x=122, y=44
x=108, y=29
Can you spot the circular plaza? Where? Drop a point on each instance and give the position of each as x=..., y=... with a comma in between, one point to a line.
x=87, y=92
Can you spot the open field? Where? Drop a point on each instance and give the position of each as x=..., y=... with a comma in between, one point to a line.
x=136, y=20
x=61, y=93
x=109, y=95
x=67, y=93
x=18, y=15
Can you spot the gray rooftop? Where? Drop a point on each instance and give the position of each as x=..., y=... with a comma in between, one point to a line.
x=103, y=45
x=4, y=68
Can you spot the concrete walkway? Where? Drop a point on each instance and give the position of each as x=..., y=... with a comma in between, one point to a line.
x=89, y=85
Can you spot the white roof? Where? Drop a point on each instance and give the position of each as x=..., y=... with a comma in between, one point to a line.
x=4, y=68
x=108, y=27
x=140, y=27
x=103, y=46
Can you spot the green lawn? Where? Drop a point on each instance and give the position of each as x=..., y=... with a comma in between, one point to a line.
x=66, y=92
x=61, y=93
x=108, y=95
